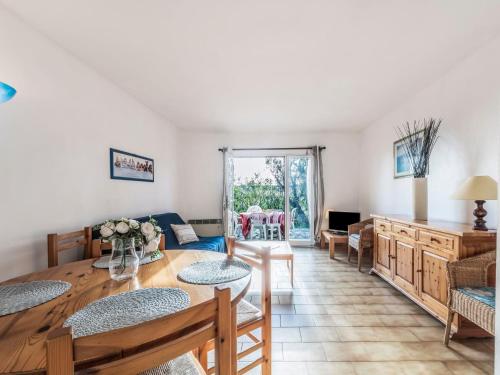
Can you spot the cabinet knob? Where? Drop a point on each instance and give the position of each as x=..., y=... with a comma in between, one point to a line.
x=435, y=240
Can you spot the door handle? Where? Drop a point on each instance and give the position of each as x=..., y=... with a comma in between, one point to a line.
x=419, y=270
x=435, y=240
x=392, y=256
x=403, y=231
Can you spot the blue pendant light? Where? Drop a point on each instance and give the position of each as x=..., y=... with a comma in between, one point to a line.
x=6, y=92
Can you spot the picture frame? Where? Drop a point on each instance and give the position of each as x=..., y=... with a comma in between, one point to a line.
x=132, y=167
x=401, y=163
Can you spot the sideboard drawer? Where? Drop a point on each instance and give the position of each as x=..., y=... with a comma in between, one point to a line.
x=404, y=231
x=438, y=239
x=382, y=226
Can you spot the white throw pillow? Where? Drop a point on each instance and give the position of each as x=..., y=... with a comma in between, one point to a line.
x=184, y=233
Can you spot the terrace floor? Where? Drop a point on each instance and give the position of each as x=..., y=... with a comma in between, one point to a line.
x=340, y=321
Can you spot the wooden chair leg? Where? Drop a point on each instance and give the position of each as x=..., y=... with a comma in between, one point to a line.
x=447, y=330
x=360, y=257
x=291, y=272
x=203, y=356
x=349, y=249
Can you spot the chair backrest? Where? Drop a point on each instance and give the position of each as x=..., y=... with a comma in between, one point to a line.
x=254, y=209
x=260, y=258
x=67, y=241
x=98, y=246
x=134, y=349
x=258, y=218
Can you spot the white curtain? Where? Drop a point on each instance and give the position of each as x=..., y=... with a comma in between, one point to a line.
x=318, y=187
x=227, y=191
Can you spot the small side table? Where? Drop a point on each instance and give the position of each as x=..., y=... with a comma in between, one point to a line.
x=332, y=239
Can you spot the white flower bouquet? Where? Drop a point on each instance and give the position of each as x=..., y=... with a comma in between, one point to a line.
x=146, y=234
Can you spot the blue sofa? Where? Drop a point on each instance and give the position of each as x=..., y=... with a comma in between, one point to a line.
x=215, y=243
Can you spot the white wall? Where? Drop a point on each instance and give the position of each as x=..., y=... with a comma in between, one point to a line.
x=200, y=172
x=468, y=101
x=54, y=143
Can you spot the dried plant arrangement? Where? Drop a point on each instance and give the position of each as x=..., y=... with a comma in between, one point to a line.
x=418, y=141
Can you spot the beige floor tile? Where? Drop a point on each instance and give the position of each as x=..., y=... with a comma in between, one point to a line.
x=428, y=333
x=375, y=334
x=319, y=334
x=473, y=349
x=431, y=351
x=329, y=368
x=303, y=352
x=289, y=368
x=464, y=368
x=286, y=335
x=400, y=320
x=297, y=320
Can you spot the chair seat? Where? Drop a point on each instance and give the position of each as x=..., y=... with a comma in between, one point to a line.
x=247, y=312
x=467, y=304
x=354, y=241
x=483, y=294
x=186, y=364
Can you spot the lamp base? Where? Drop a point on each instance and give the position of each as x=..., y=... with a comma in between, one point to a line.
x=480, y=213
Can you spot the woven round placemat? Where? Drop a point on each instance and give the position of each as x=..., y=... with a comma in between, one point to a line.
x=214, y=272
x=103, y=262
x=126, y=309
x=19, y=297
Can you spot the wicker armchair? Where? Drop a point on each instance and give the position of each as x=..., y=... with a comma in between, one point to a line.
x=360, y=238
x=468, y=293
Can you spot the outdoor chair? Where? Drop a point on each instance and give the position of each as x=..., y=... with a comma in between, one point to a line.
x=258, y=225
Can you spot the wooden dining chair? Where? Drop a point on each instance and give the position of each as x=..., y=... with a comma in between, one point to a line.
x=67, y=241
x=248, y=316
x=98, y=246
x=160, y=346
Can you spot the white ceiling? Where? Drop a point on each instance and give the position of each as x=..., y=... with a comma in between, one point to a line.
x=267, y=65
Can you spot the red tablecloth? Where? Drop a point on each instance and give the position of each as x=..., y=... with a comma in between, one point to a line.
x=276, y=217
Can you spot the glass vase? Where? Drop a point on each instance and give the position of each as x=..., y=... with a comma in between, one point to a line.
x=124, y=261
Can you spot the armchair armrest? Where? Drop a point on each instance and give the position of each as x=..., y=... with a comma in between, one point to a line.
x=470, y=272
x=354, y=228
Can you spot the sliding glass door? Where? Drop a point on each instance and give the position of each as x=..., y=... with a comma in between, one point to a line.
x=271, y=198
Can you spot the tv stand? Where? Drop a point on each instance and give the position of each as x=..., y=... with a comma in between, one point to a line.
x=333, y=240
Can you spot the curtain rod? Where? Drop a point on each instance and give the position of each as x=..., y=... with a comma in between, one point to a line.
x=321, y=148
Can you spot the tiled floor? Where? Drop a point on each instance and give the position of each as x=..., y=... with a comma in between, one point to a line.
x=340, y=321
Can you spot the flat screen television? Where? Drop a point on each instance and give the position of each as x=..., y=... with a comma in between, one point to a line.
x=339, y=221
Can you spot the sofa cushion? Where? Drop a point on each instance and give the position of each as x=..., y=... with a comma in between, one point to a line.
x=164, y=221
x=215, y=243
x=184, y=233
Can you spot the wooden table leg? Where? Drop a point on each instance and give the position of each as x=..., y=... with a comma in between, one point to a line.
x=322, y=241
x=332, y=248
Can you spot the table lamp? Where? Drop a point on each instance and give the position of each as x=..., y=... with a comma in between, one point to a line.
x=478, y=189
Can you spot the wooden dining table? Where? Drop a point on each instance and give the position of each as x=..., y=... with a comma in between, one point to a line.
x=23, y=334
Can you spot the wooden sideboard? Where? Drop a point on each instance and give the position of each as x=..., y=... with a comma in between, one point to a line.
x=412, y=254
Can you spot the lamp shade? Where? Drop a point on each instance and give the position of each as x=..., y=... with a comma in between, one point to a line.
x=476, y=188
x=6, y=92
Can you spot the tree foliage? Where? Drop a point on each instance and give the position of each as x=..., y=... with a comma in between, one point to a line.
x=270, y=193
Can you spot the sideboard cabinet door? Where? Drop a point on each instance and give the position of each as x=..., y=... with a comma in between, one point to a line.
x=406, y=265
x=383, y=254
x=434, y=284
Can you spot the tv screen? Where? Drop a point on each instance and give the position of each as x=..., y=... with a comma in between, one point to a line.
x=340, y=220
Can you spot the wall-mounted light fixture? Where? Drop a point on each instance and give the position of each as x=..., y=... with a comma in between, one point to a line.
x=6, y=92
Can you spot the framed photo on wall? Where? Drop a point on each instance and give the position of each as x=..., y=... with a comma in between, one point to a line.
x=402, y=165
x=127, y=166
